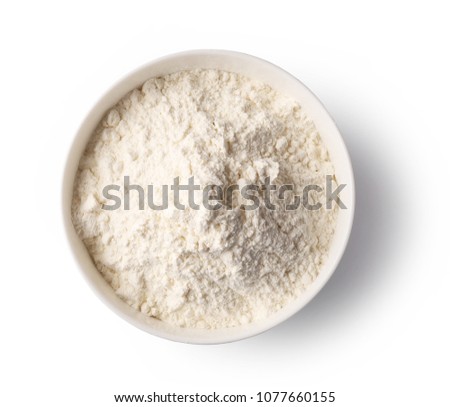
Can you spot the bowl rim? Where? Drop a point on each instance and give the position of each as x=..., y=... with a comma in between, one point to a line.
x=105, y=293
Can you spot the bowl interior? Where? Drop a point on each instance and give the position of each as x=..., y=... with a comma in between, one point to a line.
x=254, y=68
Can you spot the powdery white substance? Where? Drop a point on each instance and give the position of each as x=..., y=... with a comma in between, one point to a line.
x=200, y=268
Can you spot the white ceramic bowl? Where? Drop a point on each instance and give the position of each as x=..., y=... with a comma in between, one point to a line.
x=252, y=67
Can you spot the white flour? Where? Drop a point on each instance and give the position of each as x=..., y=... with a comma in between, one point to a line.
x=202, y=268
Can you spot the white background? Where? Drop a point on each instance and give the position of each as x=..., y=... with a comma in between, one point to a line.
x=377, y=334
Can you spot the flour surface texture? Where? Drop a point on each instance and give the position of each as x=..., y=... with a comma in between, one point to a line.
x=204, y=268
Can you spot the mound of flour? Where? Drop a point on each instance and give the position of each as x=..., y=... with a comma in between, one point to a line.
x=204, y=268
